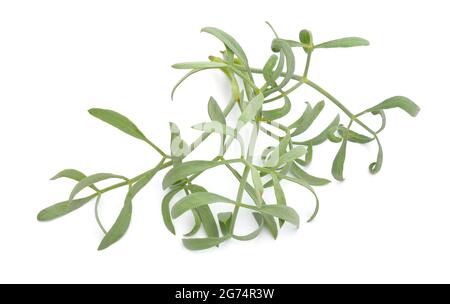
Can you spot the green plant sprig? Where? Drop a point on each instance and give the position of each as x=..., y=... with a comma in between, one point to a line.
x=286, y=160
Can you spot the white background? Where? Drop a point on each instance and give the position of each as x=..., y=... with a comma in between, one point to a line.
x=60, y=58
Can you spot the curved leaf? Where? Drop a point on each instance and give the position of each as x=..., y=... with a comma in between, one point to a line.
x=268, y=70
x=338, y=164
x=215, y=112
x=90, y=180
x=323, y=136
x=308, y=156
x=165, y=209
x=292, y=155
x=311, y=180
x=203, y=65
x=279, y=112
x=308, y=118
x=305, y=114
x=343, y=43
x=196, y=200
x=401, y=102
x=282, y=212
x=376, y=166
x=206, y=216
x=188, y=168
x=201, y=244
x=279, y=194
x=122, y=222
x=229, y=42
x=72, y=174
x=118, y=121
x=251, y=110
x=355, y=137
x=60, y=209
x=279, y=45
x=197, y=224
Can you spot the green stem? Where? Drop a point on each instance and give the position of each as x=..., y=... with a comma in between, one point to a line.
x=156, y=148
x=308, y=62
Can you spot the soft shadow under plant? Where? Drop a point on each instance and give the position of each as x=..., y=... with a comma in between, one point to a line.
x=285, y=161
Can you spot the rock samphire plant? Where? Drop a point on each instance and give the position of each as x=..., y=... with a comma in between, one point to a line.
x=285, y=161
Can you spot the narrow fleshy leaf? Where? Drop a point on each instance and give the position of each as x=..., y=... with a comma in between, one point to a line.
x=91, y=180
x=119, y=121
x=308, y=156
x=206, y=216
x=279, y=194
x=279, y=45
x=229, y=42
x=355, y=137
x=187, y=169
x=312, y=180
x=202, y=243
x=251, y=110
x=308, y=118
x=282, y=212
x=165, y=209
x=343, y=43
x=60, y=209
x=122, y=222
x=252, y=235
x=72, y=174
x=268, y=70
x=203, y=65
x=257, y=183
x=376, y=166
x=401, y=102
x=339, y=160
x=292, y=155
x=323, y=136
x=305, y=114
x=196, y=200
x=278, y=113
x=215, y=112
x=197, y=224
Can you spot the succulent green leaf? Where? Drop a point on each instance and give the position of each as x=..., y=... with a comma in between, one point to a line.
x=376, y=166
x=215, y=112
x=165, y=209
x=203, y=65
x=203, y=243
x=343, y=43
x=281, y=212
x=308, y=118
x=251, y=110
x=188, y=168
x=278, y=113
x=229, y=42
x=355, y=137
x=311, y=180
x=401, y=102
x=60, y=209
x=122, y=222
x=72, y=174
x=118, y=121
x=91, y=180
x=195, y=200
x=339, y=160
